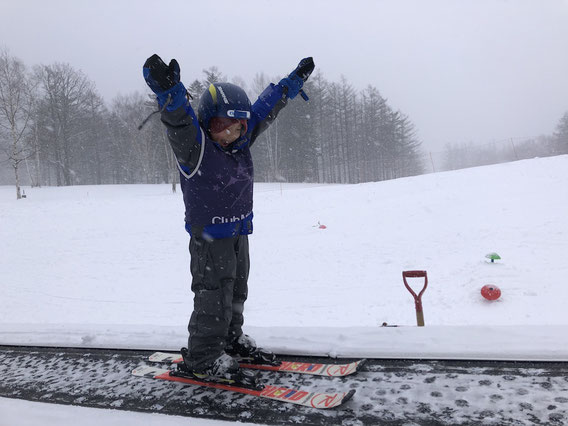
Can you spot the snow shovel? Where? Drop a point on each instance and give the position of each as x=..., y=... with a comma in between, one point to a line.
x=417, y=298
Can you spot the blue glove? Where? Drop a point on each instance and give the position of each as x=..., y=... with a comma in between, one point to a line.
x=292, y=85
x=164, y=81
x=295, y=81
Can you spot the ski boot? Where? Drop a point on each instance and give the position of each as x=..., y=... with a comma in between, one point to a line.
x=245, y=350
x=224, y=370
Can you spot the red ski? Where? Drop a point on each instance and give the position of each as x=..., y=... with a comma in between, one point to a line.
x=305, y=397
x=330, y=370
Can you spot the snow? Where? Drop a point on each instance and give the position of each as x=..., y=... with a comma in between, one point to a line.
x=108, y=266
x=40, y=413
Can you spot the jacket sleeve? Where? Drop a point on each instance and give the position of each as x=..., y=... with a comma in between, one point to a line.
x=185, y=136
x=266, y=109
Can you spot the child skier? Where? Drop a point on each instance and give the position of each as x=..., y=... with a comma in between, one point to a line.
x=213, y=155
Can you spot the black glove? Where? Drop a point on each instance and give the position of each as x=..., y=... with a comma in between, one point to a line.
x=159, y=76
x=304, y=68
x=296, y=79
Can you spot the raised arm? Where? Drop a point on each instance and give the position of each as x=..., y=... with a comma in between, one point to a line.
x=275, y=97
x=183, y=129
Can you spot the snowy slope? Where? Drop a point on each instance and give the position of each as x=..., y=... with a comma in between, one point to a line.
x=108, y=265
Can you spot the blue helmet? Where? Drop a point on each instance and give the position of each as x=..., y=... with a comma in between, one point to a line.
x=223, y=100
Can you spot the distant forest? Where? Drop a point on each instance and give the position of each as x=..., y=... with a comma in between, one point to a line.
x=55, y=129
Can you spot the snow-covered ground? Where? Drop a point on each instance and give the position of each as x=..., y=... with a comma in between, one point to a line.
x=109, y=266
x=25, y=413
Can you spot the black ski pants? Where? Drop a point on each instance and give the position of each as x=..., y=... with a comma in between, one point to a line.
x=220, y=270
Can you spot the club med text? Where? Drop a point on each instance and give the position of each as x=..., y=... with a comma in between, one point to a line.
x=219, y=219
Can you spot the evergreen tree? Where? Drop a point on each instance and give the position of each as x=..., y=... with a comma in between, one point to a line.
x=561, y=136
x=195, y=89
x=213, y=75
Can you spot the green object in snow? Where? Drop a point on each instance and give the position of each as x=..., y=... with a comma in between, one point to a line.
x=493, y=257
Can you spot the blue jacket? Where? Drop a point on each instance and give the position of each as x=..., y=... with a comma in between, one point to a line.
x=217, y=183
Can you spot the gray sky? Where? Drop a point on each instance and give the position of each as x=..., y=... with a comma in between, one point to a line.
x=463, y=70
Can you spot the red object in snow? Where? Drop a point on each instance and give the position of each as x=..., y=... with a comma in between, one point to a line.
x=322, y=227
x=417, y=297
x=491, y=292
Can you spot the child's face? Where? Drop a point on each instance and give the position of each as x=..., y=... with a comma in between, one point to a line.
x=228, y=136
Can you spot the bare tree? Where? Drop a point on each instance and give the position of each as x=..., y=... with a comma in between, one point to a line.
x=67, y=94
x=16, y=101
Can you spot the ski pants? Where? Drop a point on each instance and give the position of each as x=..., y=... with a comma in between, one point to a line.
x=220, y=270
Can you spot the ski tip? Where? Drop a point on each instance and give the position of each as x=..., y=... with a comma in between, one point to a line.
x=361, y=364
x=146, y=371
x=328, y=401
x=139, y=371
x=162, y=357
x=348, y=396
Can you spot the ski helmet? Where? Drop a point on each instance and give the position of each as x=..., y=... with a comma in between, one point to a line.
x=224, y=100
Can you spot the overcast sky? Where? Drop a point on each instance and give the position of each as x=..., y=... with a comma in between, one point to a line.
x=462, y=70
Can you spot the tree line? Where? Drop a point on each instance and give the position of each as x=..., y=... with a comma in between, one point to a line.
x=55, y=129
x=461, y=156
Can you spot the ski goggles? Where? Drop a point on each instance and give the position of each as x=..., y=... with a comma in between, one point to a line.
x=218, y=124
x=236, y=113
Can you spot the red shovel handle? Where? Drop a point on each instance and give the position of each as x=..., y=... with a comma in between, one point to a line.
x=415, y=274
x=417, y=298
